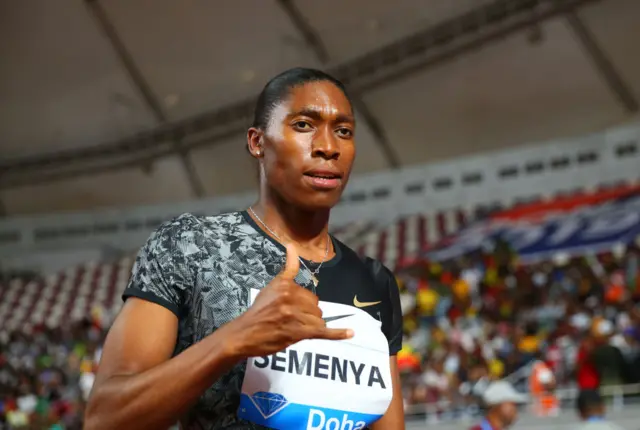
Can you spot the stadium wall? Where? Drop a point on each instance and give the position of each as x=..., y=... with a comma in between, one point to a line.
x=504, y=178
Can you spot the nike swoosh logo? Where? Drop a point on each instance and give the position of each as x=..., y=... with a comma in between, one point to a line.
x=359, y=304
x=338, y=317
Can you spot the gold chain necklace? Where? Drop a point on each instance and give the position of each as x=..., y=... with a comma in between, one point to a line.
x=313, y=273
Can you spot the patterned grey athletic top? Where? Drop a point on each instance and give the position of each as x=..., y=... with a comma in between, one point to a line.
x=202, y=270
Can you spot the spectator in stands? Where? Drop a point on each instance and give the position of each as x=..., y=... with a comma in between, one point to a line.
x=587, y=375
x=607, y=358
x=628, y=342
x=542, y=386
x=436, y=380
x=529, y=344
x=502, y=401
x=591, y=410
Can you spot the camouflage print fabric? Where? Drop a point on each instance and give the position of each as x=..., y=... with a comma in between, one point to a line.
x=202, y=269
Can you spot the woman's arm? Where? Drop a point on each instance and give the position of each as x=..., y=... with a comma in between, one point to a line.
x=393, y=419
x=138, y=384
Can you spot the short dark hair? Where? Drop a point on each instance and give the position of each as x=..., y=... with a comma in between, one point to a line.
x=588, y=400
x=279, y=87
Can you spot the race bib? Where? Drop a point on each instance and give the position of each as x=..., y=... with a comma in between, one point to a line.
x=322, y=384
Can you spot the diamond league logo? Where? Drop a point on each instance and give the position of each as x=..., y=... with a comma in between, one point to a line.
x=269, y=404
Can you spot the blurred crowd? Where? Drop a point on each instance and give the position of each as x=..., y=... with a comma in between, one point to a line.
x=487, y=316
x=468, y=321
x=46, y=375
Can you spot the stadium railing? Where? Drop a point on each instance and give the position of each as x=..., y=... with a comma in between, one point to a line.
x=617, y=396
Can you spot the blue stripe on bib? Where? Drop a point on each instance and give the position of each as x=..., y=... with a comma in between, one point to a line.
x=274, y=411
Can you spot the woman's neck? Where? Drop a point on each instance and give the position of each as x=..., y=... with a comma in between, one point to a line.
x=307, y=228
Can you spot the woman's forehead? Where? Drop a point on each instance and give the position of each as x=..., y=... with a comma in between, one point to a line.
x=321, y=96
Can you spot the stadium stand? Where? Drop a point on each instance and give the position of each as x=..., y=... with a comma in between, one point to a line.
x=71, y=294
x=466, y=323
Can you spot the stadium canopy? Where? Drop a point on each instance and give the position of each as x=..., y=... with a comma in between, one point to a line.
x=128, y=102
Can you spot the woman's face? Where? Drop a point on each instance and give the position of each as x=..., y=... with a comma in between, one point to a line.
x=308, y=148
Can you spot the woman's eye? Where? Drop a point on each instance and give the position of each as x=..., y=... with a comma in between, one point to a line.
x=302, y=125
x=344, y=132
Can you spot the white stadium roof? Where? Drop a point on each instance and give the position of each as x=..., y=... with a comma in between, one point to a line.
x=98, y=95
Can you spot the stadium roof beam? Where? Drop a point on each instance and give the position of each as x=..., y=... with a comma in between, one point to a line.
x=302, y=26
x=451, y=38
x=602, y=63
x=314, y=42
x=144, y=88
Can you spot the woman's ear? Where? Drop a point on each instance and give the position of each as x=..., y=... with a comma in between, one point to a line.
x=255, y=138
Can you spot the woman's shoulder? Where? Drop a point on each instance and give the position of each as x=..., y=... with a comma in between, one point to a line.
x=190, y=223
x=380, y=272
x=189, y=231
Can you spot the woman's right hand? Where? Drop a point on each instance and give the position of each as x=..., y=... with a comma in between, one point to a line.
x=282, y=314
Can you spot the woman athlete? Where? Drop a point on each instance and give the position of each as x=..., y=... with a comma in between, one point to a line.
x=179, y=348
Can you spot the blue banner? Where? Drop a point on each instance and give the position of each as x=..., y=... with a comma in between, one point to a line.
x=586, y=230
